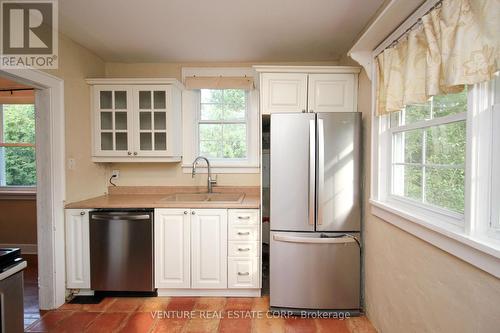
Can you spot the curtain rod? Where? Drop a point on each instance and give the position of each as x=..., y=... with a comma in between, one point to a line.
x=405, y=33
x=16, y=89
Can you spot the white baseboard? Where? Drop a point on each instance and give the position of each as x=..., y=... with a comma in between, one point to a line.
x=210, y=292
x=25, y=248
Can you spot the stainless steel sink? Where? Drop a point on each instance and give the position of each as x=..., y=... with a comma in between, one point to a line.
x=205, y=197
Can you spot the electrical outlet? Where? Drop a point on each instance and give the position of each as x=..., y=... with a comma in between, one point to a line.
x=71, y=164
x=116, y=174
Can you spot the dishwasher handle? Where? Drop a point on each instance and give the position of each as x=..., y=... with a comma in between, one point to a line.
x=124, y=217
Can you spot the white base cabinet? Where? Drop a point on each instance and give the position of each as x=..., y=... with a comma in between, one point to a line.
x=172, y=246
x=207, y=252
x=77, y=248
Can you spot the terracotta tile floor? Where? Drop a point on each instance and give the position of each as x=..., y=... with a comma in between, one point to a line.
x=139, y=315
x=207, y=314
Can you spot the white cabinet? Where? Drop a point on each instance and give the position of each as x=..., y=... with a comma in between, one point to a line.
x=209, y=248
x=284, y=92
x=136, y=122
x=244, y=249
x=77, y=248
x=331, y=93
x=191, y=248
x=308, y=89
x=172, y=245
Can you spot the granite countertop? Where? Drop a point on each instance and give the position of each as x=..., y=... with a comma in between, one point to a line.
x=153, y=197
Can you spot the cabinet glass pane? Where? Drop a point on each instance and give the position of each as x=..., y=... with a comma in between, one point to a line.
x=145, y=120
x=160, y=141
x=121, y=141
x=160, y=121
x=144, y=99
x=106, y=120
x=121, y=120
x=146, y=143
x=159, y=100
x=120, y=99
x=106, y=141
x=106, y=100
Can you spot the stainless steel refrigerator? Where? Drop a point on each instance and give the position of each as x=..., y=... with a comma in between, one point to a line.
x=315, y=211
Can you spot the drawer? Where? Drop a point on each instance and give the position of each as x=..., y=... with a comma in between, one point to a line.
x=243, y=216
x=243, y=233
x=243, y=249
x=243, y=273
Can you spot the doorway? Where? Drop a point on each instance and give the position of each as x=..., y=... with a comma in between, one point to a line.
x=50, y=181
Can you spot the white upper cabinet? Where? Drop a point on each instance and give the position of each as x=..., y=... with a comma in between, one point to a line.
x=136, y=122
x=308, y=88
x=284, y=92
x=332, y=93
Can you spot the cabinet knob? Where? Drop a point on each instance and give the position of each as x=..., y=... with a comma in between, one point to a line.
x=243, y=273
x=129, y=153
x=185, y=212
x=82, y=213
x=245, y=249
x=304, y=111
x=193, y=212
x=135, y=153
x=243, y=233
x=311, y=111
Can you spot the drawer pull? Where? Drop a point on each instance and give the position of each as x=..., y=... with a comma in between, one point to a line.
x=243, y=233
x=243, y=274
x=244, y=249
x=244, y=217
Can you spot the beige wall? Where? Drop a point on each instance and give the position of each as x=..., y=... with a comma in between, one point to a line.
x=17, y=222
x=76, y=63
x=412, y=286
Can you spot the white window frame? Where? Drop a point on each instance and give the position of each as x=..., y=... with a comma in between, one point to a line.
x=191, y=103
x=13, y=192
x=475, y=240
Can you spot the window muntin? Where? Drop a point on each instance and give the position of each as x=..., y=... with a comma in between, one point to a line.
x=222, y=124
x=17, y=145
x=428, y=153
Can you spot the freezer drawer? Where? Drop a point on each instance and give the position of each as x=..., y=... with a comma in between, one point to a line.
x=309, y=272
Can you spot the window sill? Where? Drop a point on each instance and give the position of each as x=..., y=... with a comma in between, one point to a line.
x=480, y=252
x=17, y=194
x=187, y=168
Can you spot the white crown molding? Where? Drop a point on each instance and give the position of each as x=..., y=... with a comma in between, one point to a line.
x=135, y=81
x=308, y=69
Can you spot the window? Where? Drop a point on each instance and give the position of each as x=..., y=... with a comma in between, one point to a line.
x=428, y=153
x=222, y=124
x=17, y=145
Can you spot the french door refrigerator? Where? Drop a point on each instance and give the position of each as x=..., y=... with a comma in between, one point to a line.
x=315, y=212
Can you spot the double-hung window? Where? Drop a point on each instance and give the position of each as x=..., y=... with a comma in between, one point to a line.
x=17, y=146
x=223, y=124
x=428, y=154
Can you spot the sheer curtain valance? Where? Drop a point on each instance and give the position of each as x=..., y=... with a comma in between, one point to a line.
x=455, y=44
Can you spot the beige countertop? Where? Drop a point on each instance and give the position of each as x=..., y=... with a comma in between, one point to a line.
x=153, y=197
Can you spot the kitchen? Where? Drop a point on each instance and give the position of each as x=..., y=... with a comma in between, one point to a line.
x=273, y=183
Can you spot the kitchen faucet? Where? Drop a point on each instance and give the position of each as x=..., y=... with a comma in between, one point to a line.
x=210, y=181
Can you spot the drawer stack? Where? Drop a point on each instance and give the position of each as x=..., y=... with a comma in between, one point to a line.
x=243, y=248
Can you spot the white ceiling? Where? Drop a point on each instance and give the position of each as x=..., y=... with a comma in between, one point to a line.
x=216, y=30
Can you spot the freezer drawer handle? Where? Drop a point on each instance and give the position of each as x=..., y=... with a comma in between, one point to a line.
x=244, y=249
x=243, y=273
x=243, y=233
x=309, y=240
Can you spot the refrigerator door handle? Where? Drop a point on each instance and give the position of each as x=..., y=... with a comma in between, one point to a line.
x=310, y=240
x=312, y=169
x=321, y=168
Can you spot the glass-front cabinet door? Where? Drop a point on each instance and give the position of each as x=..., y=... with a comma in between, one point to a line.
x=152, y=120
x=113, y=121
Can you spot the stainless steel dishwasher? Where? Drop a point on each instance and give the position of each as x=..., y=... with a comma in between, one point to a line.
x=121, y=250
